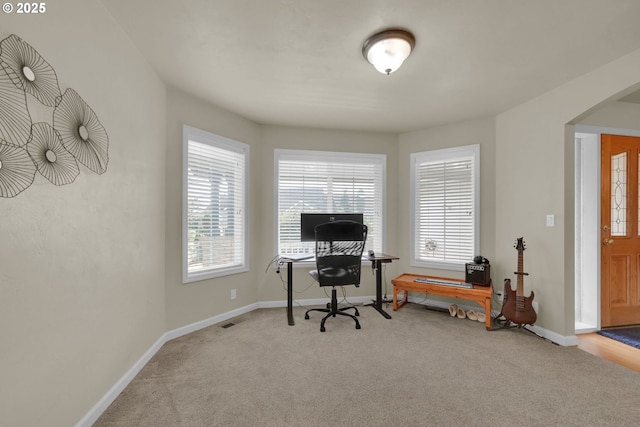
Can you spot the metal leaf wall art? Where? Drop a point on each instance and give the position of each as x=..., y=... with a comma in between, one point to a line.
x=54, y=150
x=32, y=73
x=81, y=132
x=53, y=161
x=17, y=170
x=15, y=120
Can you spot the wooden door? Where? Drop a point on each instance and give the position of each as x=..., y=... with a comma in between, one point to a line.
x=620, y=232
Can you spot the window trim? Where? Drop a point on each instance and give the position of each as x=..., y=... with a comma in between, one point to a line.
x=208, y=138
x=441, y=155
x=299, y=154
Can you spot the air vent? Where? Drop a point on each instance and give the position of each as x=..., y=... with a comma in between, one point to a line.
x=232, y=322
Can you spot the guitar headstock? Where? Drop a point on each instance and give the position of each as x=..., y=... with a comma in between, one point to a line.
x=520, y=245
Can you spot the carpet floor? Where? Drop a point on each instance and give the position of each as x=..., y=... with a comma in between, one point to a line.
x=421, y=368
x=629, y=336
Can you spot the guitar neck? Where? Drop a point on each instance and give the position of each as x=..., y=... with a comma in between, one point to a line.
x=521, y=274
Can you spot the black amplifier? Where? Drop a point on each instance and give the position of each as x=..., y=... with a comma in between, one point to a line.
x=478, y=274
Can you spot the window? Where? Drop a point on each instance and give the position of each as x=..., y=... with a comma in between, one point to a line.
x=327, y=182
x=214, y=206
x=445, y=207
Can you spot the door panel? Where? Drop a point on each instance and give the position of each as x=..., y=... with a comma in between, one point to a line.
x=620, y=239
x=619, y=273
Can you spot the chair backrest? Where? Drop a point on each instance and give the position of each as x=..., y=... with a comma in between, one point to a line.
x=339, y=246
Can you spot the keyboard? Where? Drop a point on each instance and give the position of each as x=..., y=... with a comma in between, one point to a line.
x=297, y=257
x=443, y=282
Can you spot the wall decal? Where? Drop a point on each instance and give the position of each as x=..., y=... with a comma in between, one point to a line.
x=81, y=132
x=31, y=72
x=53, y=161
x=17, y=170
x=15, y=121
x=54, y=150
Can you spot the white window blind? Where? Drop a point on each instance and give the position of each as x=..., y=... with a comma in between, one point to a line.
x=445, y=202
x=214, y=205
x=327, y=182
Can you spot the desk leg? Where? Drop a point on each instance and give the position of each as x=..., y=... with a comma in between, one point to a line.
x=290, y=293
x=377, y=304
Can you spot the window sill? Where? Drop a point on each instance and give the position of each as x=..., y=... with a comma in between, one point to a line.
x=438, y=265
x=222, y=272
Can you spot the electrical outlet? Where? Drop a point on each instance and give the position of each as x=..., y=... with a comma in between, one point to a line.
x=500, y=295
x=535, y=306
x=234, y=294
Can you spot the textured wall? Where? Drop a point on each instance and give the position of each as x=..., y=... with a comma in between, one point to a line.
x=192, y=302
x=270, y=287
x=535, y=177
x=481, y=131
x=82, y=265
x=196, y=301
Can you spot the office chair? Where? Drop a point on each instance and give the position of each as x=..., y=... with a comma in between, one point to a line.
x=339, y=246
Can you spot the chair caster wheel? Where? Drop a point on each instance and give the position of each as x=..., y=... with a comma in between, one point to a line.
x=322, y=329
x=306, y=316
x=357, y=313
x=358, y=327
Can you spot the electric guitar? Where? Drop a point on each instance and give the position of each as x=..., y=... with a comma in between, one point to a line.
x=516, y=307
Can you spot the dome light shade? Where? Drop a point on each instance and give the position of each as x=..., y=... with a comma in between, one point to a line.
x=388, y=49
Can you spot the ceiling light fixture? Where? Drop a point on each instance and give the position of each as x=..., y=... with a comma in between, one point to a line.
x=387, y=49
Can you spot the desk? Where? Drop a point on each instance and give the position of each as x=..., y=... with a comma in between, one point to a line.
x=377, y=261
x=480, y=294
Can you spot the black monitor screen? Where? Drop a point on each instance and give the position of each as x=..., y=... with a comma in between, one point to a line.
x=309, y=221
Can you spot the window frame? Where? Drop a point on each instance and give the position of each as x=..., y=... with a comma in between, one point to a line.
x=336, y=157
x=222, y=143
x=442, y=155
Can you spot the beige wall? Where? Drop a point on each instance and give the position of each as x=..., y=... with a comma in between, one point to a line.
x=196, y=301
x=616, y=115
x=91, y=273
x=82, y=265
x=193, y=302
x=270, y=287
x=535, y=177
x=481, y=131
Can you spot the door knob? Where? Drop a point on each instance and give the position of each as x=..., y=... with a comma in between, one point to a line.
x=607, y=242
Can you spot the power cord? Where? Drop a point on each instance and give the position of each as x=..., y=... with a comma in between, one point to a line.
x=274, y=260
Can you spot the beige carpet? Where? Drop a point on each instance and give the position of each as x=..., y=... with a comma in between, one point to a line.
x=421, y=368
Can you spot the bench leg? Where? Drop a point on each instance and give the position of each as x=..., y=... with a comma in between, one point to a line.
x=396, y=305
x=487, y=310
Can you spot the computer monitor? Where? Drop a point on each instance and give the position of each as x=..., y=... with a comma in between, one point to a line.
x=309, y=221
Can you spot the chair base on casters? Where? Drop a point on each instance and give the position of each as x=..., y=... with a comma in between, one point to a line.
x=332, y=310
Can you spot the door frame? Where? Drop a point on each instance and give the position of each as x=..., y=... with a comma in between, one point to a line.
x=588, y=303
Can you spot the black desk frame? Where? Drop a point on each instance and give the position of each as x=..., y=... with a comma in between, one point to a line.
x=377, y=261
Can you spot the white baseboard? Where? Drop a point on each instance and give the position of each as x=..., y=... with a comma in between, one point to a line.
x=565, y=341
x=210, y=321
x=97, y=410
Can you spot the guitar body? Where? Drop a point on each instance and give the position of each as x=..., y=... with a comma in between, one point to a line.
x=518, y=309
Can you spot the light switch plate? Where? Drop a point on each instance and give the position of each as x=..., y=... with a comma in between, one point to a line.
x=551, y=220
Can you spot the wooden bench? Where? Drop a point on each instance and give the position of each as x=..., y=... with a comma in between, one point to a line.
x=406, y=283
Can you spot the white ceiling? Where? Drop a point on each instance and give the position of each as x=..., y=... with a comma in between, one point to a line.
x=299, y=62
